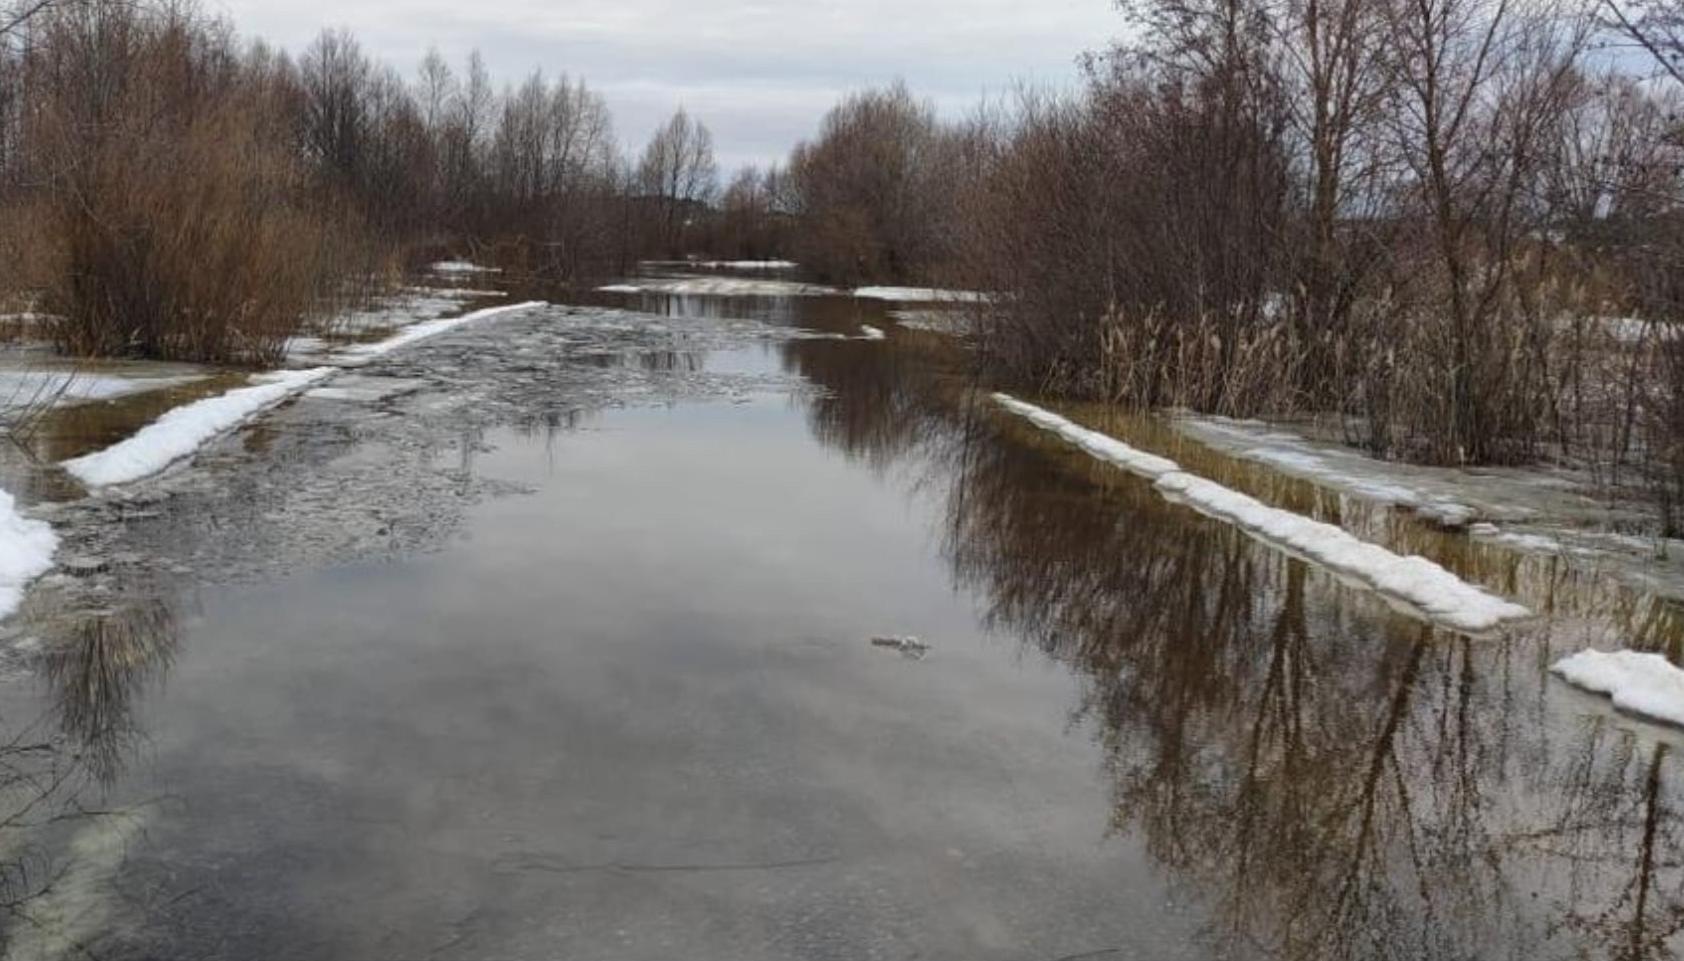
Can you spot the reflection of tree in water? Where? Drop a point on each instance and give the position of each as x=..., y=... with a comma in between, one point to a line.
x=880, y=404
x=96, y=670
x=95, y=664
x=1334, y=780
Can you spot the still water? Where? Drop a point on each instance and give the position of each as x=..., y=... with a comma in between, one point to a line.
x=630, y=709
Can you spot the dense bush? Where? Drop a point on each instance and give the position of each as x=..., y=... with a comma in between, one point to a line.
x=875, y=194
x=1424, y=218
x=168, y=193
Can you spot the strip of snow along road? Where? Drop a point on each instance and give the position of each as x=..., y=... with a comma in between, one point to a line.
x=185, y=429
x=1645, y=684
x=1150, y=466
x=919, y=295
x=718, y=287
x=1424, y=586
x=182, y=431
x=26, y=552
x=363, y=353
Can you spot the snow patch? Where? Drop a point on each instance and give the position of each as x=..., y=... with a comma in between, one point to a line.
x=462, y=267
x=26, y=552
x=940, y=320
x=718, y=287
x=747, y=264
x=1150, y=466
x=1438, y=593
x=1645, y=684
x=869, y=332
x=182, y=431
x=1353, y=474
x=1517, y=540
x=185, y=429
x=919, y=295
x=363, y=353
x=1422, y=584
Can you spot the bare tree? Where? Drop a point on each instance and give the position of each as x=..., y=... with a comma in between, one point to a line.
x=1654, y=26
x=876, y=189
x=21, y=13
x=677, y=173
x=435, y=87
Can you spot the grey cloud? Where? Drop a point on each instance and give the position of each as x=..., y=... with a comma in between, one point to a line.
x=760, y=74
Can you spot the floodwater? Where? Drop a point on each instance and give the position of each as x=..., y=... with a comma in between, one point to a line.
x=597, y=682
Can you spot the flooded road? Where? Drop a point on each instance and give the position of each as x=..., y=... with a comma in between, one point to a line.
x=552, y=638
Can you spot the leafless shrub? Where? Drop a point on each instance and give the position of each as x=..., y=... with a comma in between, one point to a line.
x=875, y=193
x=1419, y=216
x=1135, y=232
x=753, y=224
x=171, y=221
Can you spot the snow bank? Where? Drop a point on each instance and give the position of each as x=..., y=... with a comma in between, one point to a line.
x=26, y=552
x=869, y=332
x=1438, y=593
x=1645, y=684
x=748, y=264
x=1425, y=586
x=718, y=287
x=919, y=295
x=363, y=353
x=462, y=267
x=1150, y=466
x=185, y=429
x=938, y=320
x=415, y=303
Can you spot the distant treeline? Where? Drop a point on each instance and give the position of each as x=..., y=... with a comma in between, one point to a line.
x=167, y=191
x=1455, y=225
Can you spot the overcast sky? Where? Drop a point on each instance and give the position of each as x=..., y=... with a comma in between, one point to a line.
x=759, y=73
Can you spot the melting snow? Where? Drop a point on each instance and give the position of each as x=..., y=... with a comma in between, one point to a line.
x=463, y=267
x=1425, y=586
x=747, y=264
x=1290, y=454
x=185, y=429
x=1645, y=684
x=363, y=353
x=26, y=552
x=182, y=431
x=919, y=295
x=718, y=287
x=1099, y=445
x=942, y=320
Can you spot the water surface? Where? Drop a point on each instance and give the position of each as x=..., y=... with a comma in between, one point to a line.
x=629, y=708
